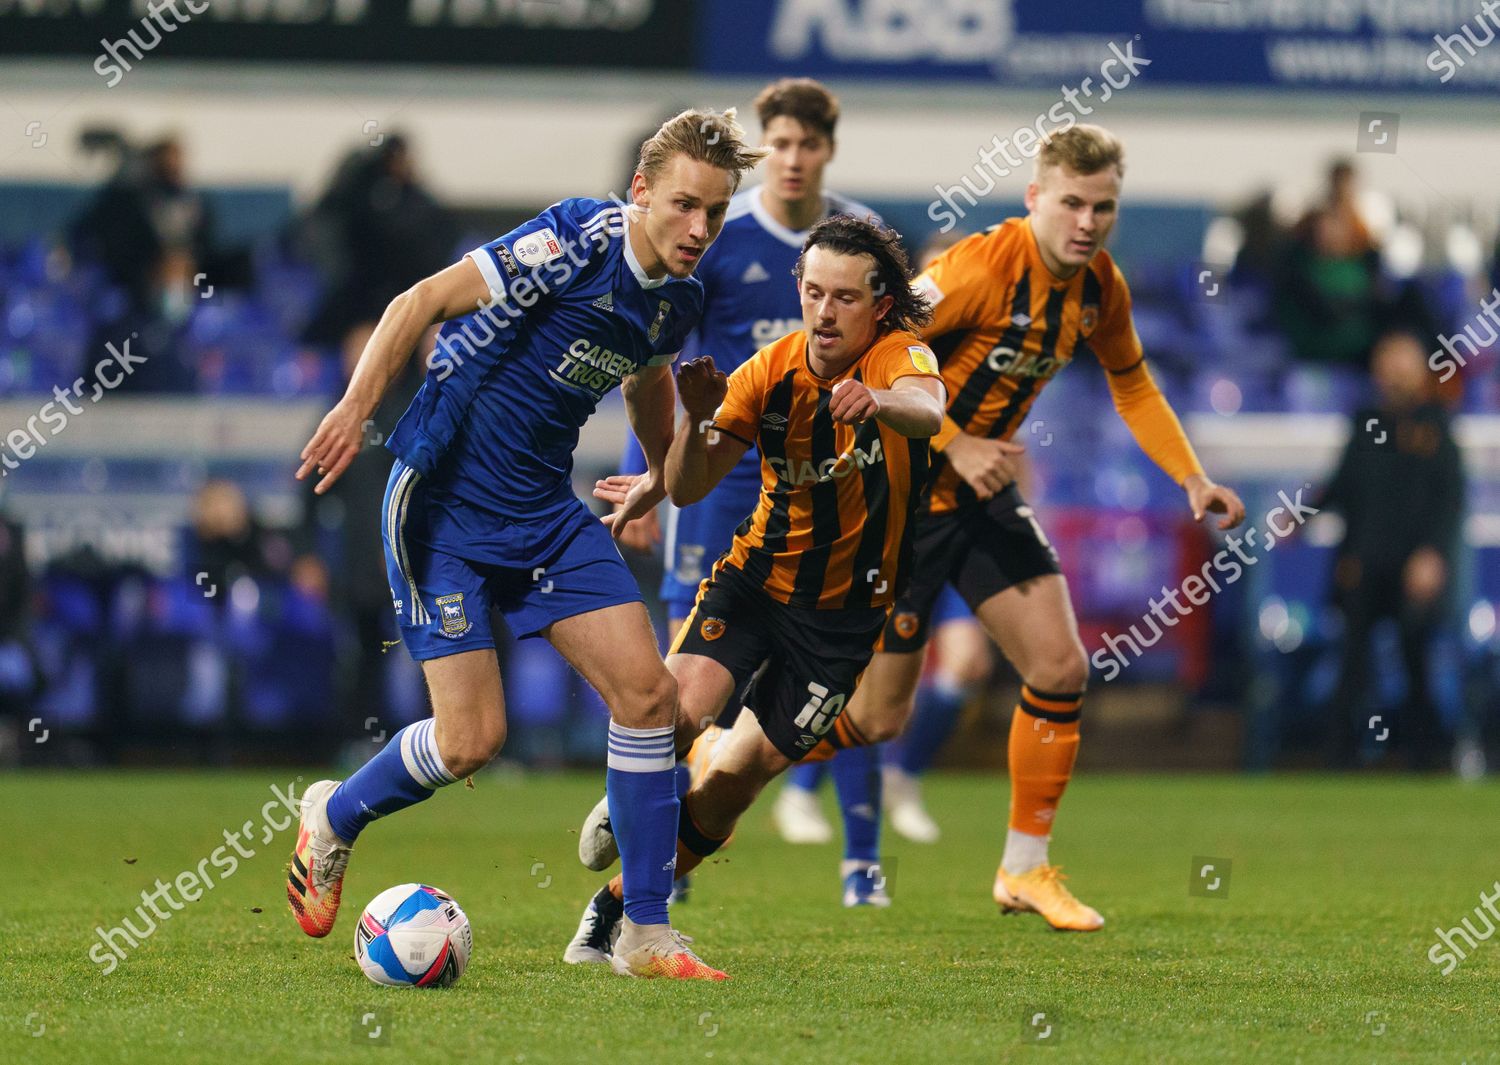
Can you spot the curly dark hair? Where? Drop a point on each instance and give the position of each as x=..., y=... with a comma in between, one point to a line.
x=890, y=275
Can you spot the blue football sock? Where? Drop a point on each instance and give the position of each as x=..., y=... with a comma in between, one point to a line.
x=808, y=775
x=406, y=770
x=643, y=808
x=683, y=779
x=938, y=707
x=856, y=776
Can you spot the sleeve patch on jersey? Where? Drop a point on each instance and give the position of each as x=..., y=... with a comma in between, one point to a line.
x=928, y=287
x=507, y=260
x=923, y=360
x=537, y=248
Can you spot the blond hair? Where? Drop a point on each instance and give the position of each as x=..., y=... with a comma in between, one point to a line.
x=1083, y=149
x=712, y=137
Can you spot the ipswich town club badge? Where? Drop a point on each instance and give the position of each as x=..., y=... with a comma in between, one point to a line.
x=451, y=610
x=661, y=319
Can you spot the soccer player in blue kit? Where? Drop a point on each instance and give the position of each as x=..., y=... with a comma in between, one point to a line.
x=750, y=300
x=480, y=511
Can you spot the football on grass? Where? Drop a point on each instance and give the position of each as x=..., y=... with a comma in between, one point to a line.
x=413, y=936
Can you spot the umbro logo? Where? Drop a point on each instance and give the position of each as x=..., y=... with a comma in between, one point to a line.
x=774, y=421
x=753, y=273
x=1022, y=320
x=605, y=302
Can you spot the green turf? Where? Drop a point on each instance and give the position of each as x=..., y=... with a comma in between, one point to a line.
x=1317, y=953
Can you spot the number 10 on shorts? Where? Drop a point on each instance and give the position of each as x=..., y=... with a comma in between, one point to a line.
x=818, y=714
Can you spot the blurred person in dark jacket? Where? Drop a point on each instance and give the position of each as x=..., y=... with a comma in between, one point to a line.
x=150, y=230
x=20, y=673
x=1400, y=489
x=1328, y=300
x=376, y=231
x=153, y=233
x=358, y=590
x=226, y=541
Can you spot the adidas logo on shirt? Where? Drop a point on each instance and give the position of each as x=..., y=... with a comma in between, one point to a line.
x=753, y=273
x=605, y=302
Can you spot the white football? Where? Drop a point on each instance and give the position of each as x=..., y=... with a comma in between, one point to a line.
x=413, y=935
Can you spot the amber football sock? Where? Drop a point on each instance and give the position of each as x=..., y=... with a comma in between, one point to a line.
x=1043, y=745
x=843, y=735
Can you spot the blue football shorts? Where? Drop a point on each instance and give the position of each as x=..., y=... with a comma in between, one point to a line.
x=449, y=564
x=696, y=536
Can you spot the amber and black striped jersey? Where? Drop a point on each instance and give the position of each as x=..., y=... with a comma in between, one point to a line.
x=1004, y=325
x=832, y=528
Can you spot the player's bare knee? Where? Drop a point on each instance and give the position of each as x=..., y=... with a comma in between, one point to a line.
x=878, y=728
x=965, y=671
x=1063, y=672
x=467, y=751
x=652, y=704
x=723, y=795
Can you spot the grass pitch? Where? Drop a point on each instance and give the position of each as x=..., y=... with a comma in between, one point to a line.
x=1313, y=948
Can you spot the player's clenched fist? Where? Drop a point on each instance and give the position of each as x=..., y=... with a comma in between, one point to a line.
x=987, y=466
x=701, y=386
x=852, y=402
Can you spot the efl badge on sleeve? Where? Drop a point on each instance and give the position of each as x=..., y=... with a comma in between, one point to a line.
x=923, y=359
x=660, y=320
x=451, y=610
x=537, y=248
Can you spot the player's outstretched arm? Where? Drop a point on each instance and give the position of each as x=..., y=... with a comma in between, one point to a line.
x=1158, y=431
x=1206, y=497
x=913, y=406
x=650, y=398
x=700, y=455
x=457, y=290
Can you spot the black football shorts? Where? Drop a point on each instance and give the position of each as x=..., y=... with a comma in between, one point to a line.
x=795, y=668
x=981, y=549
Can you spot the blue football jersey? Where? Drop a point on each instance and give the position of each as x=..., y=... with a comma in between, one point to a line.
x=509, y=386
x=750, y=297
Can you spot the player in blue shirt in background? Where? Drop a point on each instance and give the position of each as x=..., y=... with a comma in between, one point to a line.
x=750, y=300
x=480, y=510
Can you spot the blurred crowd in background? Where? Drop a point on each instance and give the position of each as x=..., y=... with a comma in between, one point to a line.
x=274, y=635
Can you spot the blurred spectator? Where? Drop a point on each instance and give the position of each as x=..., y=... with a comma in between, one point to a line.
x=1495, y=266
x=1329, y=300
x=227, y=542
x=149, y=230
x=154, y=235
x=20, y=674
x=375, y=232
x=359, y=590
x=1400, y=488
x=1262, y=238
